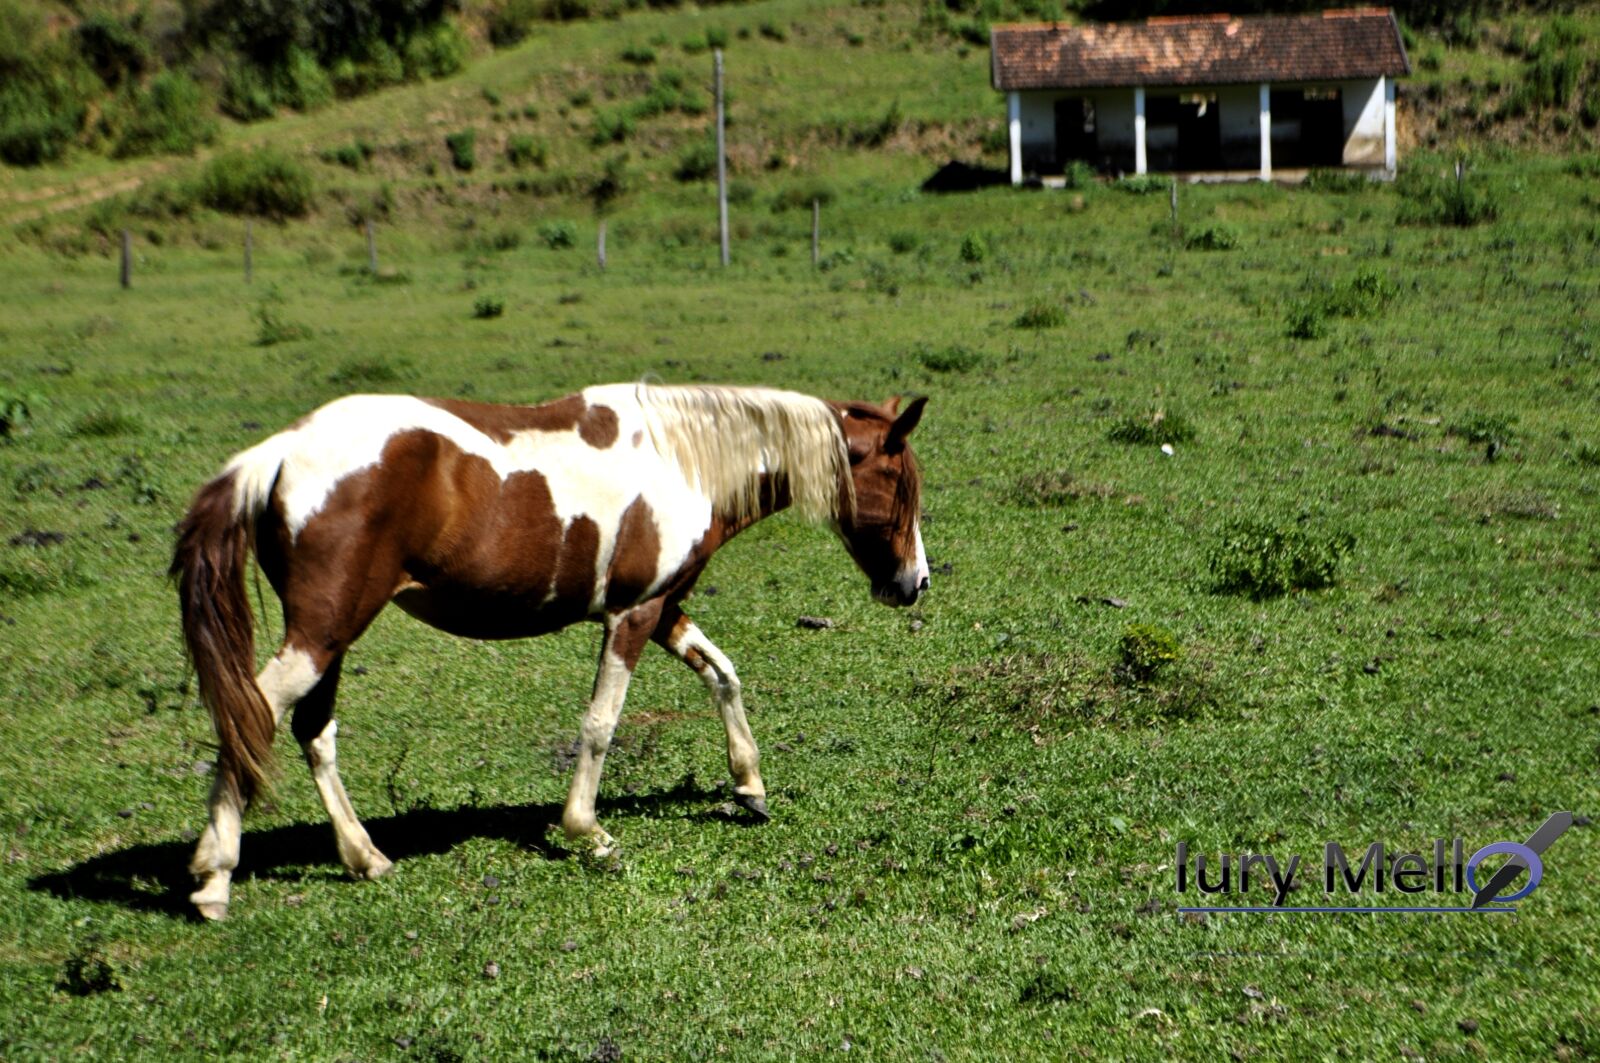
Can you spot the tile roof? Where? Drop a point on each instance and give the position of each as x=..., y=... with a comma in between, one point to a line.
x=1199, y=50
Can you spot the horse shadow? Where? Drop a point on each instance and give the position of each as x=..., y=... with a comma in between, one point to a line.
x=154, y=877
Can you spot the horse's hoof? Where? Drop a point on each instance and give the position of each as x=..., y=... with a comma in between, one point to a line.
x=378, y=866
x=212, y=913
x=754, y=804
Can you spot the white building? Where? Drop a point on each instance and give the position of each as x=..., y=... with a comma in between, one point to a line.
x=1214, y=94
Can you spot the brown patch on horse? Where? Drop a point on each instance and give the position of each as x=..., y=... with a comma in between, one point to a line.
x=598, y=426
x=636, y=558
x=575, y=571
x=501, y=423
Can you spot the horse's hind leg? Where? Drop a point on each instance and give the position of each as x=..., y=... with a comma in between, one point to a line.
x=315, y=729
x=287, y=678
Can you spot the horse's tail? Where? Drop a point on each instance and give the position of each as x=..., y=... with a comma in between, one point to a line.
x=214, y=543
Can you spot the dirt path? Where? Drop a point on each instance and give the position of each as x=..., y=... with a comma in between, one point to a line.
x=20, y=206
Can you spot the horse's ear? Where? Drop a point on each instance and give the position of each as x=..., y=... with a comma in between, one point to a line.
x=892, y=404
x=905, y=422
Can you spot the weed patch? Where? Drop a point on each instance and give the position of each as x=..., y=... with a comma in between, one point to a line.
x=1264, y=560
x=954, y=358
x=1057, y=488
x=1155, y=428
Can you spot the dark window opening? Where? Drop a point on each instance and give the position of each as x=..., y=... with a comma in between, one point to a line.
x=1183, y=132
x=1307, y=128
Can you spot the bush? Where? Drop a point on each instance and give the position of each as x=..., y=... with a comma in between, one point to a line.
x=301, y=83
x=1265, y=560
x=611, y=127
x=1042, y=314
x=16, y=414
x=973, y=248
x=610, y=184
x=952, y=359
x=264, y=182
x=488, y=306
x=558, y=235
x=170, y=117
x=1480, y=428
x=1142, y=184
x=523, y=150
x=1339, y=182
x=112, y=48
x=1430, y=200
x=435, y=52
x=639, y=54
x=800, y=196
x=774, y=31
x=1158, y=427
x=351, y=156
x=463, y=149
x=245, y=93
x=1364, y=295
x=1307, y=320
x=508, y=21
x=272, y=327
x=1213, y=238
x=1079, y=174
x=698, y=163
x=1146, y=651
x=904, y=241
x=875, y=133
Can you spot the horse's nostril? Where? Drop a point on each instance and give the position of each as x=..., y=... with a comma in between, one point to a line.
x=923, y=585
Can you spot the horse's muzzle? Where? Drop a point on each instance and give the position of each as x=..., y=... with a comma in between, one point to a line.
x=900, y=593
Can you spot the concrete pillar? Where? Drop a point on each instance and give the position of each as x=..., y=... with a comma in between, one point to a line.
x=1266, y=131
x=1139, y=163
x=1389, y=152
x=1014, y=129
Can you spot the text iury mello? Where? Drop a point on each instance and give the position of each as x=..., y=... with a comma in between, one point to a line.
x=1377, y=870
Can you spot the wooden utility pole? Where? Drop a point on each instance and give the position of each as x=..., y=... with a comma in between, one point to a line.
x=127, y=260
x=372, y=250
x=249, y=251
x=816, y=232
x=722, y=162
x=600, y=245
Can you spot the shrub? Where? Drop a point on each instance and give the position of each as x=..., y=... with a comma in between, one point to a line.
x=463, y=147
x=1079, y=174
x=1307, y=319
x=300, y=82
x=799, y=196
x=875, y=133
x=697, y=164
x=523, y=150
x=272, y=327
x=488, y=306
x=16, y=414
x=264, y=182
x=1041, y=314
x=1142, y=184
x=1264, y=560
x=1157, y=427
x=1339, y=182
x=1430, y=200
x=610, y=184
x=1364, y=295
x=951, y=359
x=639, y=54
x=904, y=242
x=558, y=235
x=773, y=31
x=245, y=93
x=435, y=52
x=508, y=21
x=973, y=248
x=45, y=86
x=351, y=156
x=1146, y=651
x=171, y=116
x=112, y=48
x=1213, y=238
x=611, y=127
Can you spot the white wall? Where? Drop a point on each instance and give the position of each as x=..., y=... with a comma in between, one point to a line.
x=1363, y=122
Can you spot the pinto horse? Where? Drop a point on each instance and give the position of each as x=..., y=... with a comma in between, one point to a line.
x=497, y=522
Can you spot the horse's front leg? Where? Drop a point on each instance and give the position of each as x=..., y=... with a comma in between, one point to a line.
x=625, y=638
x=680, y=637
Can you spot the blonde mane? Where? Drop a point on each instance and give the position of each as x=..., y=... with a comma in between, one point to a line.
x=724, y=438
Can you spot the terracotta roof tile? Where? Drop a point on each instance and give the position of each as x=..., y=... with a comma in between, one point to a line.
x=1199, y=50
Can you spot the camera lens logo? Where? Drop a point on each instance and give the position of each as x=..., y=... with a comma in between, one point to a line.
x=1524, y=856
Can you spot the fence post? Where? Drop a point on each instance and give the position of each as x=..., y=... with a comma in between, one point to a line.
x=722, y=163
x=816, y=231
x=1174, y=194
x=372, y=250
x=600, y=245
x=127, y=260
x=249, y=251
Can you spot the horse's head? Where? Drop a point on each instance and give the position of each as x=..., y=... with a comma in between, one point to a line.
x=883, y=532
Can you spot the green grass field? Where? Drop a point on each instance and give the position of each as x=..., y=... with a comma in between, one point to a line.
x=976, y=802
